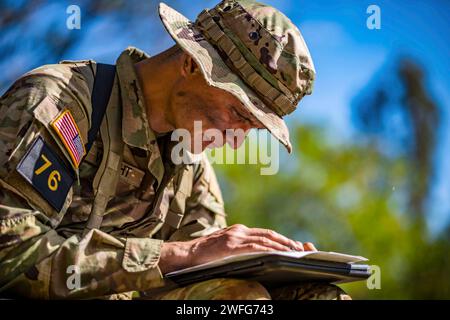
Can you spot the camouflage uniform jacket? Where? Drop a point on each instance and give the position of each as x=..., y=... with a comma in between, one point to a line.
x=40, y=244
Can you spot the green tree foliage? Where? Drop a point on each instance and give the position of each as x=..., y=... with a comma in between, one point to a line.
x=367, y=196
x=346, y=198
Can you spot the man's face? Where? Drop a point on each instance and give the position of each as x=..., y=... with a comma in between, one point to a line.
x=194, y=100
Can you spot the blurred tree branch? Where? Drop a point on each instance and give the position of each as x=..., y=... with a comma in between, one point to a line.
x=18, y=34
x=403, y=94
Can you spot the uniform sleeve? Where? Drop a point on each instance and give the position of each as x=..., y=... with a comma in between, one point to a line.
x=35, y=261
x=205, y=211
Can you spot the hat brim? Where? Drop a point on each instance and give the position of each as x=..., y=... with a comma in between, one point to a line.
x=218, y=74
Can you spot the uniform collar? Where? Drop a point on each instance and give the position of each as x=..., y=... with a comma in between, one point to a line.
x=135, y=129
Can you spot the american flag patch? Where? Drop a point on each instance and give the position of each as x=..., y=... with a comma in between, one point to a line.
x=68, y=131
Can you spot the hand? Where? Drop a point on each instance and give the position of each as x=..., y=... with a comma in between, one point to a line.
x=232, y=240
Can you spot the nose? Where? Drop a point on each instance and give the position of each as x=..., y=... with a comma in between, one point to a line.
x=235, y=137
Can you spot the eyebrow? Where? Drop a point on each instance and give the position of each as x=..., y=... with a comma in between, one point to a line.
x=243, y=116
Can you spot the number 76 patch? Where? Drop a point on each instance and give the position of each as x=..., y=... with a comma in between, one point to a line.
x=47, y=173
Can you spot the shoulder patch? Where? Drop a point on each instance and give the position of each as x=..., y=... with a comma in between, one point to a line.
x=69, y=133
x=47, y=173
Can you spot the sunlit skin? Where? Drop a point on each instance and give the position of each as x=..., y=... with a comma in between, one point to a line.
x=175, y=95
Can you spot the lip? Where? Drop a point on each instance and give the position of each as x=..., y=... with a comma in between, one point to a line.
x=183, y=31
x=211, y=144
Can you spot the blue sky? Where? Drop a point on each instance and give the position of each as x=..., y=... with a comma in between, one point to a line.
x=347, y=56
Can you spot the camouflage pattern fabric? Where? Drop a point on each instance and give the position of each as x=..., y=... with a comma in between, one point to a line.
x=38, y=243
x=246, y=48
x=309, y=291
x=217, y=289
x=237, y=289
x=251, y=50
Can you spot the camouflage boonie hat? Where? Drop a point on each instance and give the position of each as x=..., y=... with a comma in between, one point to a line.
x=251, y=50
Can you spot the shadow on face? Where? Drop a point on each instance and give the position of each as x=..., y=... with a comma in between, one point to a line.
x=212, y=115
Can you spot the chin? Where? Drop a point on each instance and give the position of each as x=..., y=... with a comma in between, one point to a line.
x=211, y=145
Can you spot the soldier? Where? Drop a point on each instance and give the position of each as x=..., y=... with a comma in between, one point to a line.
x=88, y=187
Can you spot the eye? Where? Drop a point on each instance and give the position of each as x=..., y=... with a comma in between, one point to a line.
x=242, y=118
x=238, y=116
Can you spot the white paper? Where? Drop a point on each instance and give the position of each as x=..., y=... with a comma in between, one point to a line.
x=316, y=255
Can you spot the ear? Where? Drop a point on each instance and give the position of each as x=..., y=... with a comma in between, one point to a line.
x=189, y=66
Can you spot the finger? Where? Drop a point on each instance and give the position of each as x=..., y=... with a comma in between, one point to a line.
x=266, y=242
x=309, y=246
x=300, y=245
x=294, y=245
x=253, y=247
